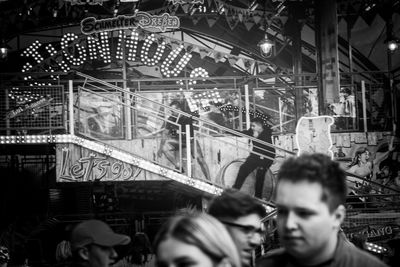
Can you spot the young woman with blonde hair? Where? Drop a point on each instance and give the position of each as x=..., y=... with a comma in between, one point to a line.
x=195, y=239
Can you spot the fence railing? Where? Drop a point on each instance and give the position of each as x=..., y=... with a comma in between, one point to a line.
x=365, y=101
x=140, y=124
x=280, y=99
x=32, y=108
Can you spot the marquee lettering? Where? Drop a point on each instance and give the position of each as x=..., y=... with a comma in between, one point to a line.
x=91, y=25
x=376, y=233
x=141, y=19
x=95, y=167
x=75, y=51
x=162, y=22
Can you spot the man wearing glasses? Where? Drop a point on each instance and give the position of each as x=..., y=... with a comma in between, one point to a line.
x=242, y=215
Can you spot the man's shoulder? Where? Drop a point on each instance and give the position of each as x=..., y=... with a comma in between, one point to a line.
x=354, y=255
x=275, y=257
x=349, y=256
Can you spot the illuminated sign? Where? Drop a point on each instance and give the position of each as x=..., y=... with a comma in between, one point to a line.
x=143, y=20
x=75, y=50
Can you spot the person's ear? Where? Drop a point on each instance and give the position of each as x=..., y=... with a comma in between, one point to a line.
x=84, y=253
x=339, y=213
x=224, y=263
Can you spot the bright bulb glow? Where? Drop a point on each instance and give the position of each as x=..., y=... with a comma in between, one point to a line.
x=266, y=46
x=393, y=45
x=68, y=42
x=146, y=59
x=3, y=52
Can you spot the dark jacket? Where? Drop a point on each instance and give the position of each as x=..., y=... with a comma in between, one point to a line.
x=258, y=147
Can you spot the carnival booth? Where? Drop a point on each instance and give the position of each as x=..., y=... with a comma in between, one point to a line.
x=130, y=110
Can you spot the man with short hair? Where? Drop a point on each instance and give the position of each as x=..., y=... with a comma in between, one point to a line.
x=242, y=216
x=309, y=198
x=93, y=244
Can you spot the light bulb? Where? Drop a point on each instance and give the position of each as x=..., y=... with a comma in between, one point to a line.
x=393, y=45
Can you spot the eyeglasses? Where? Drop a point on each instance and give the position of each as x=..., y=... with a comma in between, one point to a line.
x=248, y=230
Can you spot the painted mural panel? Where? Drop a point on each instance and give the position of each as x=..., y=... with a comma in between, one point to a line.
x=216, y=106
x=223, y=157
x=78, y=164
x=100, y=115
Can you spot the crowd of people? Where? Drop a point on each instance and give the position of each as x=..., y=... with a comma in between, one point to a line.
x=310, y=208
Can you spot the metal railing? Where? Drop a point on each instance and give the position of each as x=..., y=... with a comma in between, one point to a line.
x=149, y=120
x=369, y=106
x=36, y=109
x=282, y=99
x=366, y=195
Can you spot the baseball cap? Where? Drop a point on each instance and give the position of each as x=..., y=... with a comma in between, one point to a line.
x=98, y=233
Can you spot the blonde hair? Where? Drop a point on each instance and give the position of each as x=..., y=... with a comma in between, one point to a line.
x=203, y=231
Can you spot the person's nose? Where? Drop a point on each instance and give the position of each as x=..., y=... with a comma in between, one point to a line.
x=255, y=240
x=113, y=253
x=291, y=221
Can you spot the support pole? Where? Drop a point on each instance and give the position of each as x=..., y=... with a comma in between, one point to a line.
x=280, y=114
x=7, y=106
x=326, y=36
x=71, y=107
x=127, y=107
x=247, y=105
x=393, y=95
x=350, y=54
x=364, y=105
x=188, y=151
x=297, y=13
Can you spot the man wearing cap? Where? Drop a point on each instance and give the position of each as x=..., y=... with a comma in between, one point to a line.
x=93, y=244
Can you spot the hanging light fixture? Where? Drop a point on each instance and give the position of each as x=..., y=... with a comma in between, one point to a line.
x=391, y=41
x=266, y=46
x=4, y=48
